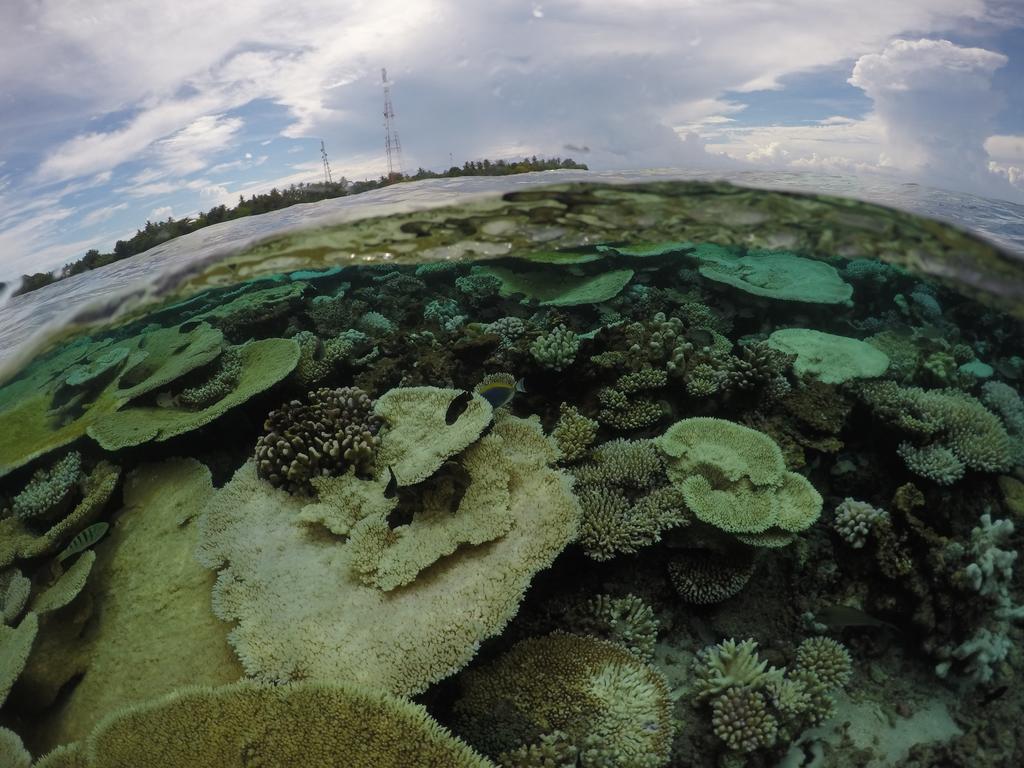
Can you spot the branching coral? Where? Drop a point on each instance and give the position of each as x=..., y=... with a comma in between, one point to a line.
x=613, y=707
x=574, y=433
x=335, y=429
x=555, y=350
x=628, y=621
x=50, y=490
x=955, y=422
x=625, y=503
x=855, y=521
x=753, y=705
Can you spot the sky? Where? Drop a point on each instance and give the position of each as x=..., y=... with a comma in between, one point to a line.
x=115, y=112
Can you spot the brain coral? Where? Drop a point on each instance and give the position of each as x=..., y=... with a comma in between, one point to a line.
x=304, y=612
x=315, y=725
x=734, y=478
x=612, y=706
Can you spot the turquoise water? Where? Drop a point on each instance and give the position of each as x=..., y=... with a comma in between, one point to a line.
x=652, y=474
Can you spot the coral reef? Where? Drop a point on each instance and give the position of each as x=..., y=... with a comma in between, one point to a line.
x=335, y=429
x=311, y=723
x=611, y=706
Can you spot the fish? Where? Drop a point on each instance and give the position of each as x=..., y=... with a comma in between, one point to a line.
x=84, y=540
x=499, y=388
x=843, y=616
x=457, y=407
x=391, y=489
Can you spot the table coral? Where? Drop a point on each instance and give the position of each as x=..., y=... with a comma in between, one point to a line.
x=302, y=611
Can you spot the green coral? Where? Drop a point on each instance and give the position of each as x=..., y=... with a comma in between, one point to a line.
x=613, y=707
x=555, y=350
x=574, y=433
x=957, y=424
x=734, y=478
x=627, y=621
x=263, y=364
x=49, y=490
x=559, y=288
x=829, y=358
x=41, y=412
x=314, y=724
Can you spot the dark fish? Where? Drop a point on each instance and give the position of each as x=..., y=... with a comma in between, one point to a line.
x=457, y=407
x=991, y=696
x=843, y=616
x=391, y=489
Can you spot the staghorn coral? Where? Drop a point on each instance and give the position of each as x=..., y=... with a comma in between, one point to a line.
x=555, y=350
x=657, y=342
x=933, y=462
x=705, y=577
x=302, y=611
x=625, y=413
x=948, y=418
x=613, y=707
x=49, y=491
x=314, y=724
x=855, y=520
x=730, y=664
x=552, y=750
x=825, y=660
x=740, y=718
x=627, y=621
x=573, y=433
x=753, y=706
x=631, y=463
x=626, y=505
x=333, y=430
x=758, y=366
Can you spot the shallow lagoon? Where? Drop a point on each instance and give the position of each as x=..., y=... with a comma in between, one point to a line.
x=632, y=475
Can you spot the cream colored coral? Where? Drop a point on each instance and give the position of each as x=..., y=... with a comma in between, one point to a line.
x=388, y=558
x=15, y=645
x=67, y=587
x=574, y=433
x=14, y=591
x=418, y=440
x=315, y=725
x=302, y=611
x=612, y=706
x=12, y=751
x=346, y=499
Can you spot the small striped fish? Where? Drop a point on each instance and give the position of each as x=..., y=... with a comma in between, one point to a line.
x=84, y=540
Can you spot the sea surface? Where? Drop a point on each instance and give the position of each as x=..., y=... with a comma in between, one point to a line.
x=154, y=272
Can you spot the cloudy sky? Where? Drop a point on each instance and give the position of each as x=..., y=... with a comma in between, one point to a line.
x=113, y=112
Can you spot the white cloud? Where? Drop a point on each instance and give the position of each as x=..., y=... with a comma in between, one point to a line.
x=161, y=213
x=188, y=150
x=102, y=214
x=937, y=106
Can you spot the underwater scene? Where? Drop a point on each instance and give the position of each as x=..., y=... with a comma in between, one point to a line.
x=580, y=475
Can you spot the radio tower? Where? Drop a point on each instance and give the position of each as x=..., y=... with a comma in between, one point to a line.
x=327, y=165
x=392, y=145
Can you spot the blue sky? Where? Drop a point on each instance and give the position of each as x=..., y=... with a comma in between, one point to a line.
x=115, y=111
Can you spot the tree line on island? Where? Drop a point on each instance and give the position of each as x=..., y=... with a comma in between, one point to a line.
x=155, y=233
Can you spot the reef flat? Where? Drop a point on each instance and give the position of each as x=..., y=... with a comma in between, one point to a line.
x=629, y=477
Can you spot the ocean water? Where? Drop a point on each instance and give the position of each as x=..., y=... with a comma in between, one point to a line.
x=554, y=470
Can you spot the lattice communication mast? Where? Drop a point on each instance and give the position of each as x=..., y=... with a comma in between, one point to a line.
x=392, y=145
x=327, y=165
